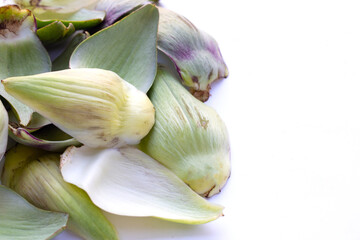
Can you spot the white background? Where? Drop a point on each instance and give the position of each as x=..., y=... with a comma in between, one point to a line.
x=292, y=107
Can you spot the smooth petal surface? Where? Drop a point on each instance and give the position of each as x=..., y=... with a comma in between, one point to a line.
x=188, y=137
x=20, y=220
x=126, y=181
x=21, y=53
x=115, y=9
x=4, y=120
x=195, y=53
x=55, y=32
x=63, y=60
x=81, y=19
x=127, y=48
x=95, y=106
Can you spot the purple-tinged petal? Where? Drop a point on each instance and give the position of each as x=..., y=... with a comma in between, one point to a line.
x=117, y=9
x=53, y=140
x=196, y=54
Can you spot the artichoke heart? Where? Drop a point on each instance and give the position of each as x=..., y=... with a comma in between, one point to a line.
x=95, y=106
x=35, y=175
x=188, y=137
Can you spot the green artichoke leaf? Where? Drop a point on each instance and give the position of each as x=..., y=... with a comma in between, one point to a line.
x=127, y=48
x=21, y=53
x=55, y=32
x=21, y=220
x=62, y=61
x=81, y=19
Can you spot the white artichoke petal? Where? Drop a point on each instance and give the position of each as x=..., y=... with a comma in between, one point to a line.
x=4, y=120
x=127, y=182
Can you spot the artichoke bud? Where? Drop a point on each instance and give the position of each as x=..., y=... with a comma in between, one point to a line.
x=35, y=175
x=188, y=137
x=95, y=106
x=196, y=54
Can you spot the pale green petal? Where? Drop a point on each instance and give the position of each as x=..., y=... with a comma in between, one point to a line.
x=63, y=60
x=188, y=137
x=195, y=53
x=95, y=106
x=81, y=19
x=127, y=48
x=55, y=32
x=127, y=182
x=35, y=175
x=19, y=220
x=21, y=53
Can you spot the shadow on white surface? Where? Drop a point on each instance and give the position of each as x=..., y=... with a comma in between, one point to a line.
x=136, y=228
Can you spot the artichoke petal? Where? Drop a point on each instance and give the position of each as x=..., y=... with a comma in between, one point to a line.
x=126, y=181
x=195, y=53
x=20, y=220
x=35, y=175
x=188, y=137
x=21, y=53
x=127, y=48
x=95, y=106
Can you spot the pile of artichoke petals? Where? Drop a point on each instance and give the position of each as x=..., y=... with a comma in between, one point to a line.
x=91, y=121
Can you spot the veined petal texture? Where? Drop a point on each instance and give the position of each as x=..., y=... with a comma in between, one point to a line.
x=21, y=53
x=95, y=106
x=126, y=181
